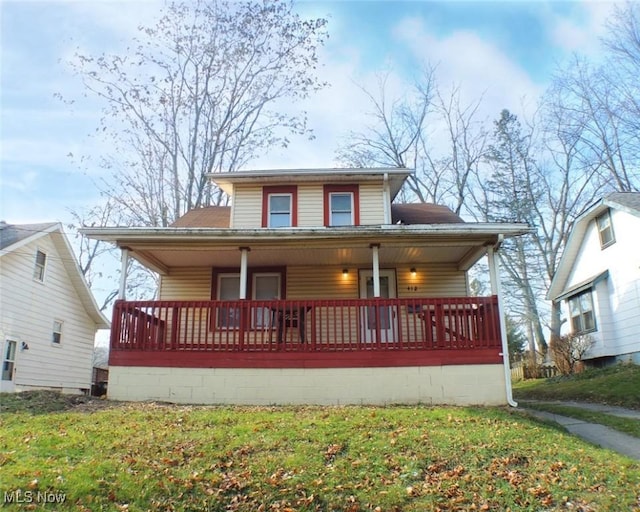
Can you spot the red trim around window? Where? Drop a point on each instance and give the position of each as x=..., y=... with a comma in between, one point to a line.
x=267, y=191
x=354, y=189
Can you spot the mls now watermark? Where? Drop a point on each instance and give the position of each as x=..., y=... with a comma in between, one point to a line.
x=40, y=497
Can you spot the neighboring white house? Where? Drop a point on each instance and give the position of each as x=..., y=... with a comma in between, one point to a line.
x=598, y=278
x=48, y=316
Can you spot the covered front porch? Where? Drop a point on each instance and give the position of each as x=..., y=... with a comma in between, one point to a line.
x=367, y=314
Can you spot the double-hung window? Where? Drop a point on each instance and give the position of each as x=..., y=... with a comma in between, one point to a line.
x=341, y=206
x=41, y=262
x=279, y=207
x=279, y=210
x=265, y=286
x=56, y=336
x=605, y=229
x=228, y=289
x=581, y=313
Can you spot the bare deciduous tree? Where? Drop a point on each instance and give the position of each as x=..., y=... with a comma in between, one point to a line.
x=202, y=91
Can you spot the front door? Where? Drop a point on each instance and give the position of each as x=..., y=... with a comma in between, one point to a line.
x=379, y=323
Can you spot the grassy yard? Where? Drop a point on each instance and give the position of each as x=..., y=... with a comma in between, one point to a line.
x=160, y=457
x=616, y=385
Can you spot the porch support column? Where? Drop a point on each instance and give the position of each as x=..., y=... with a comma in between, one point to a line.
x=494, y=277
x=376, y=269
x=124, y=262
x=244, y=251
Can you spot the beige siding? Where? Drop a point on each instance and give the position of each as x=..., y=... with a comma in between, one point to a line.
x=431, y=281
x=310, y=205
x=28, y=309
x=321, y=283
x=247, y=207
x=186, y=284
x=328, y=282
x=324, y=282
x=371, y=204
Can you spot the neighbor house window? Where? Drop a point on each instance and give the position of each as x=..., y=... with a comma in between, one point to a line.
x=57, y=332
x=9, y=360
x=581, y=313
x=605, y=229
x=279, y=207
x=228, y=289
x=341, y=206
x=41, y=261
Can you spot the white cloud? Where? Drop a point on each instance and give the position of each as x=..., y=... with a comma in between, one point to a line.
x=476, y=65
x=581, y=29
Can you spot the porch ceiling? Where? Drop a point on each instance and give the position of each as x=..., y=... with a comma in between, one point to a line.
x=164, y=248
x=295, y=256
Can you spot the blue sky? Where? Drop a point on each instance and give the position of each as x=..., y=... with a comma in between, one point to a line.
x=504, y=50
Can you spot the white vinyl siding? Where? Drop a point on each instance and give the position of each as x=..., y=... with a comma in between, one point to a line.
x=616, y=298
x=29, y=309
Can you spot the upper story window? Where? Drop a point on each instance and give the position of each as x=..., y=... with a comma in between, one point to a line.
x=279, y=207
x=41, y=261
x=56, y=336
x=583, y=318
x=341, y=205
x=605, y=229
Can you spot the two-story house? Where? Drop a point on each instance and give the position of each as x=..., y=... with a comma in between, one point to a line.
x=312, y=287
x=48, y=316
x=598, y=279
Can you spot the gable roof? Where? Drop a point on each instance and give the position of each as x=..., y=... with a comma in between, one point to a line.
x=11, y=234
x=14, y=236
x=628, y=202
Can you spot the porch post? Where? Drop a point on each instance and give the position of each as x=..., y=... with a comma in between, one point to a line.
x=494, y=277
x=376, y=270
x=244, y=251
x=124, y=262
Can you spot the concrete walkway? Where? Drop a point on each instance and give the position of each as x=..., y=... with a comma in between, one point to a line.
x=600, y=435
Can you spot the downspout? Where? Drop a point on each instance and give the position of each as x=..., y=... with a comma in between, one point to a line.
x=124, y=262
x=494, y=276
x=386, y=199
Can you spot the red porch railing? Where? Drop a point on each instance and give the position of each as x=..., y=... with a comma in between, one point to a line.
x=306, y=326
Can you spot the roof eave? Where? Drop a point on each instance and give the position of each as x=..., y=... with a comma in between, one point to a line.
x=124, y=235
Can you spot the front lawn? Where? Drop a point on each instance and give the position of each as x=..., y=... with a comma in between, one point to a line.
x=615, y=385
x=162, y=457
